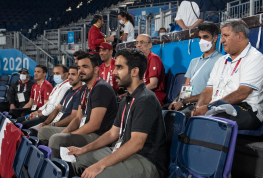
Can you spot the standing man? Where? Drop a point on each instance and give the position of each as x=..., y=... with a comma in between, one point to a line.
x=95, y=36
x=108, y=65
x=61, y=78
x=39, y=93
x=96, y=112
x=77, y=54
x=199, y=69
x=236, y=79
x=19, y=92
x=139, y=128
x=155, y=73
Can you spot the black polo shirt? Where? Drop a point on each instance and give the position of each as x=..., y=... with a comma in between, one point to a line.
x=102, y=95
x=145, y=116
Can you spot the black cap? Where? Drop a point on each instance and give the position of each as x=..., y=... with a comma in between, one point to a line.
x=24, y=70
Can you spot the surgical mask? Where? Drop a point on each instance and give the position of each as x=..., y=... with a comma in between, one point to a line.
x=205, y=45
x=161, y=34
x=57, y=79
x=121, y=22
x=23, y=77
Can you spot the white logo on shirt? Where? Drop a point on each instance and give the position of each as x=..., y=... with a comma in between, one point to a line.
x=154, y=68
x=47, y=93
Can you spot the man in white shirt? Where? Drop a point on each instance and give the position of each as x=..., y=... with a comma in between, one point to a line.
x=236, y=79
x=39, y=116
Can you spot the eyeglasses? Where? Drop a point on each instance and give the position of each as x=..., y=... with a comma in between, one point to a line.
x=141, y=42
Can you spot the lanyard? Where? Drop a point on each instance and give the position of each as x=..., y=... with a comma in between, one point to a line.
x=24, y=86
x=83, y=98
x=39, y=94
x=122, y=132
x=70, y=98
x=108, y=75
x=58, y=87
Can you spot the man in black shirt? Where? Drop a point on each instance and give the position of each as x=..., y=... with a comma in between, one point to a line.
x=139, y=128
x=96, y=112
x=19, y=92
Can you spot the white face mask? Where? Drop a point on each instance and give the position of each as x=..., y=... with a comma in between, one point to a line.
x=205, y=45
x=161, y=34
x=121, y=22
x=22, y=77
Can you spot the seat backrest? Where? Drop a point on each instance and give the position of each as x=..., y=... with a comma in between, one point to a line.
x=62, y=165
x=21, y=155
x=202, y=160
x=19, y=125
x=50, y=170
x=34, y=161
x=3, y=91
x=176, y=86
x=45, y=150
x=34, y=140
x=4, y=79
x=14, y=78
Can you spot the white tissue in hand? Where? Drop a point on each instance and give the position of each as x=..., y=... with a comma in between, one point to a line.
x=64, y=155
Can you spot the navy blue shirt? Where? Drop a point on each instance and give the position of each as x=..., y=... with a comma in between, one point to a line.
x=73, y=104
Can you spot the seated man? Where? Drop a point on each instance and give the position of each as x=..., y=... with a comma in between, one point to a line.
x=139, y=126
x=77, y=54
x=236, y=78
x=96, y=112
x=19, y=92
x=199, y=70
x=66, y=111
x=107, y=67
x=154, y=74
x=39, y=93
x=58, y=92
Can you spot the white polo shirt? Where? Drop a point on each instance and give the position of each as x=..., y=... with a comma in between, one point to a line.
x=186, y=13
x=129, y=29
x=249, y=72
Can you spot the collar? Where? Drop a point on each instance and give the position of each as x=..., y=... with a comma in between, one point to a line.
x=241, y=55
x=126, y=22
x=149, y=54
x=75, y=89
x=136, y=92
x=95, y=25
x=211, y=55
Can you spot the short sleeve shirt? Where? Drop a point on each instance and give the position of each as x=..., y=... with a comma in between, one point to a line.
x=129, y=29
x=155, y=68
x=44, y=90
x=106, y=74
x=145, y=116
x=249, y=73
x=200, y=79
x=70, y=102
x=102, y=95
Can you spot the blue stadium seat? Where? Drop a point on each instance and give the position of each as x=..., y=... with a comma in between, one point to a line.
x=62, y=165
x=3, y=91
x=19, y=125
x=34, y=140
x=49, y=170
x=4, y=80
x=207, y=146
x=26, y=132
x=14, y=78
x=45, y=150
x=175, y=86
x=21, y=155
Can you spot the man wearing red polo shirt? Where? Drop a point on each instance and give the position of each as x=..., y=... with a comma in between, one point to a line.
x=106, y=68
x=154, y=75
x=95, y=36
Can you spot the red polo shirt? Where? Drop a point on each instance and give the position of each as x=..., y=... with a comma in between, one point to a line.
x=155, y=68
x=45, y=90
x=95, y=38
x=109, y=77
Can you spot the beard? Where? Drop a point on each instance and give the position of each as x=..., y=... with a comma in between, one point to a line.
x=86, y=77
x=125, y=81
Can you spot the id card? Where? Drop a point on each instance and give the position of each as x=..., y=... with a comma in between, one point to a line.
x=34, y=107
x=21, y=97
x=58, y=117
x=186, y=92
x=117, y=145
x=218, y=95
x=83, y=120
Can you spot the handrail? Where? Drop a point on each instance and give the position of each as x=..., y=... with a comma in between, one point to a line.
x=155, y=4
x=36, y=45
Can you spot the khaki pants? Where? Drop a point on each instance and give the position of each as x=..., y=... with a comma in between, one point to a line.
x=135, y=166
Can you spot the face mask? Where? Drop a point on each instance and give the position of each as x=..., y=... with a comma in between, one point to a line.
x=205, y=45
x=57, y=79
x=121, y=22
x=161, y=34
x=22, y=77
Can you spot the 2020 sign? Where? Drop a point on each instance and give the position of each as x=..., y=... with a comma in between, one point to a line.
x=14, y=64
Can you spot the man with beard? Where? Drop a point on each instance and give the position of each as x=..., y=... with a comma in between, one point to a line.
x=139, y=128
x=96, y=112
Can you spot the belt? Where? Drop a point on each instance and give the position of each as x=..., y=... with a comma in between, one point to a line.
x=93, y=50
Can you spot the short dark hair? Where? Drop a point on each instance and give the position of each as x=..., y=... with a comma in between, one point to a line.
x=79, y=52
x=65, y=68
x=209, y=27
x=93, y=59
x=43, y=67
x=135, y=58
x=74, y=67
x=96, y=18
x=162, y=29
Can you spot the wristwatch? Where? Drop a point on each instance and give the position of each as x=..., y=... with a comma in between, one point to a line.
x=52, y=124
x=181, y=100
